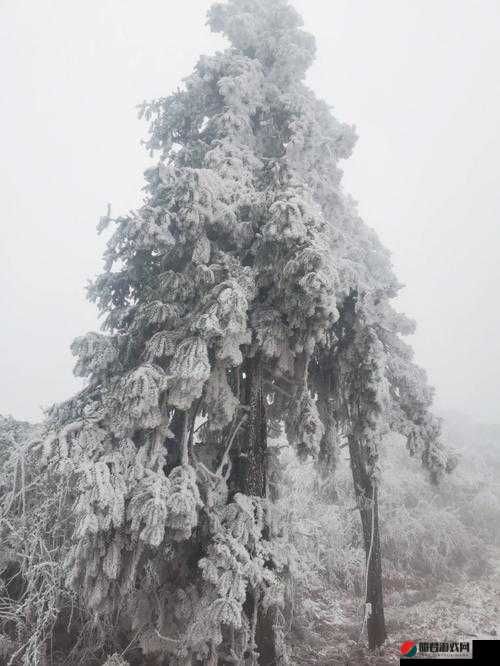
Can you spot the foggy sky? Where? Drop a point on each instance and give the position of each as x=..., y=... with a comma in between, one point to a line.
x=418, y=78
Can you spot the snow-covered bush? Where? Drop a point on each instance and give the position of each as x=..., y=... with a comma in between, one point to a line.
x=34, y=535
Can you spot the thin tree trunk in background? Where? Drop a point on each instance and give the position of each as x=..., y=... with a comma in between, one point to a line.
x=367, y=499
x=376, y=622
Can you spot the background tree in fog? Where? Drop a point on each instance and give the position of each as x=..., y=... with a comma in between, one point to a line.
x=245, y=293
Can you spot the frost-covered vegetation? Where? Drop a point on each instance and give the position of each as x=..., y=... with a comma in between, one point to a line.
x=440, y=547
x=430, y=534
x=253, y=460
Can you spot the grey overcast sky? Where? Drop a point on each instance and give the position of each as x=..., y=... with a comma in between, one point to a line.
x=419, y=79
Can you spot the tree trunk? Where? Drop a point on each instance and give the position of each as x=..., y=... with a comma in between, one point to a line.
x=249, y=476
x=367, y=498
x=329, y=451
x=174, y=451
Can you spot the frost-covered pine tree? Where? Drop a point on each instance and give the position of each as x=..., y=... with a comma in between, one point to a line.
x=245, y=293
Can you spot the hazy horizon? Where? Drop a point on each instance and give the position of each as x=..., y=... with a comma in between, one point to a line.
x=418, y=80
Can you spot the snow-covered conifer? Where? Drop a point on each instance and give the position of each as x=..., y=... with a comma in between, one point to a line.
x=245, y=278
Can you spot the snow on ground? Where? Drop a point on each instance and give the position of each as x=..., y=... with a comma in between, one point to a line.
x=453, y=610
